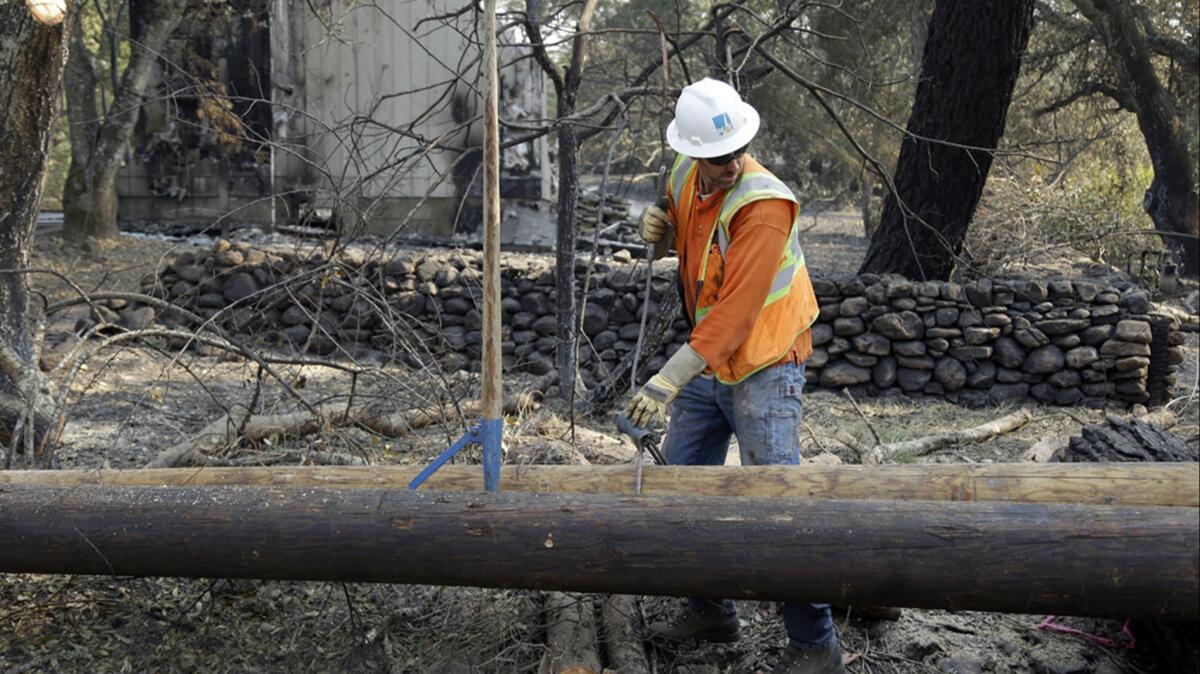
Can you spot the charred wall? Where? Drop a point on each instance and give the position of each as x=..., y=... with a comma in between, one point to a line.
x=202, y=151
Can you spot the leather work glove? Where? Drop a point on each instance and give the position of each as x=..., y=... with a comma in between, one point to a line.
x=654, y=224
x=652, y=400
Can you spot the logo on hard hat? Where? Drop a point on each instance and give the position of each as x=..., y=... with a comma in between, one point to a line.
x=723, y=124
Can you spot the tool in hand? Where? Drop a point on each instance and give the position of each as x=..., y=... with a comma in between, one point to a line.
x=645, y=440
x=660, y=191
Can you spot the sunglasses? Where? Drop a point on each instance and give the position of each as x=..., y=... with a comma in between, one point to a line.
x=726, y=158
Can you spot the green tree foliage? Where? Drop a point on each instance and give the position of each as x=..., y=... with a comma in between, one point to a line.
x=1084, y=159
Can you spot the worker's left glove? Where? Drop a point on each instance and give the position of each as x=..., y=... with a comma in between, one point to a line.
x=651, y=402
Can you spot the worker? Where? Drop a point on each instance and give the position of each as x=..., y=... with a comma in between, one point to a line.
x=748, y=296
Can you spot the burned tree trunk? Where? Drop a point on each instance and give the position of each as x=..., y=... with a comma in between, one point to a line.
x=564, y=249
x=566, y=85
x=32, y=56
x=1134, y=440
x=90, y=193
x=972, y=58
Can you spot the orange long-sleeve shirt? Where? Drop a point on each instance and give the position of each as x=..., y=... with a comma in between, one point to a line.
x=758, y=234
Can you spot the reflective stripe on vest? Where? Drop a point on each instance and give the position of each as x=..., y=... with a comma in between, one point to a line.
x=679, y=178
x=750, y=187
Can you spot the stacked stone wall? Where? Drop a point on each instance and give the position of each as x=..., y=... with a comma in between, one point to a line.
x=1060, y=342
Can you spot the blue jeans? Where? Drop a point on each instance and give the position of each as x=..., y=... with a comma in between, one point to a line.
x=764, y=412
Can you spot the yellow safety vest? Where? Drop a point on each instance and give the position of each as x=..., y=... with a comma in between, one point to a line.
x=790, y=307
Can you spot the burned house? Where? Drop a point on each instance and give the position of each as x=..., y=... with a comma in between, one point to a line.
x=364, y=117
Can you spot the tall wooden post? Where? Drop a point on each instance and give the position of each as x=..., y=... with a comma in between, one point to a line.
x=492, y=425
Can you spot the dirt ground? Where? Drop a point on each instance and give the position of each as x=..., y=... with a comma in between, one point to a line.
x=131, y=404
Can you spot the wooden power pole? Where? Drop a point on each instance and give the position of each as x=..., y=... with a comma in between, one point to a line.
x=492, y=425
x=1107, y=561
x=1113, y=484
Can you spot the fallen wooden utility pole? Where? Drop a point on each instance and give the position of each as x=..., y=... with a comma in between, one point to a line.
x=1012, y=557
x=1160, y=484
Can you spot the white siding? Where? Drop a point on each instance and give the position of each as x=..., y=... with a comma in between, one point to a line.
x=368, y=56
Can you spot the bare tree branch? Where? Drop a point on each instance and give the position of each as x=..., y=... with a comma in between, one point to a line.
x=1120, y=96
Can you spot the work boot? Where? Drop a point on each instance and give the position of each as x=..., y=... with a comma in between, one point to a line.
x=697, y=626
x=799, y=661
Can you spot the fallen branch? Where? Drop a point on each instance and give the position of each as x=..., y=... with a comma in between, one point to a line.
x=1188, y=322
x=224, y=431
x=863, y=415
x=852, y=443
x=570, y=635
x=927, y=445
x=622, y=624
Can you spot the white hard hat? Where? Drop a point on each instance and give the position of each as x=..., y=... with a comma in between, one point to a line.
x=711, y=120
